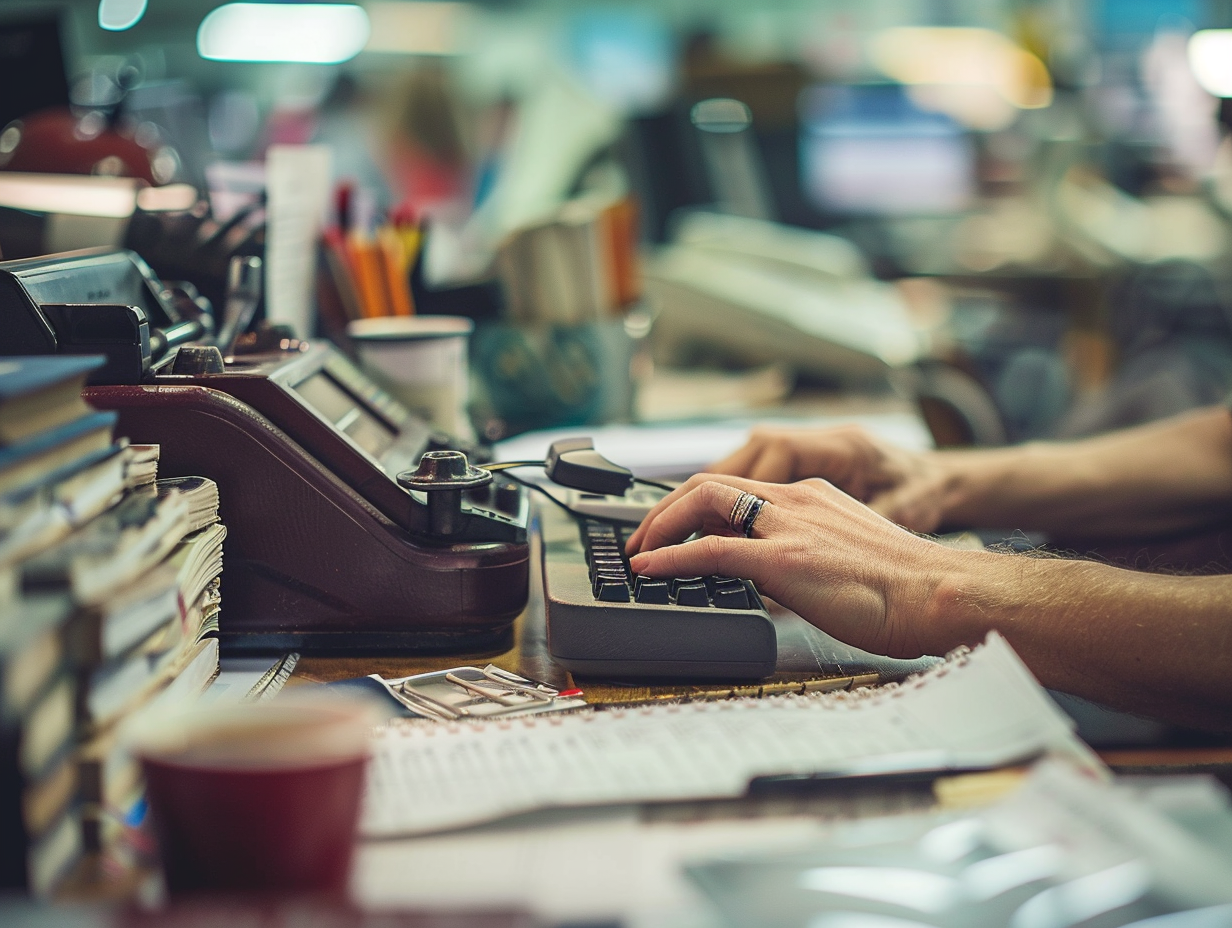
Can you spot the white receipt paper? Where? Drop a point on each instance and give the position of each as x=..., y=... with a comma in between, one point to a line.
x=977, y=709
x=297, y=181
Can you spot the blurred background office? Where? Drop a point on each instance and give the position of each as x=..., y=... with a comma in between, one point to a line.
x=1013, y=213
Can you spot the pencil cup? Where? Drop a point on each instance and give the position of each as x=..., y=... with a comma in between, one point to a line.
x=257, y=798
x=422, y=360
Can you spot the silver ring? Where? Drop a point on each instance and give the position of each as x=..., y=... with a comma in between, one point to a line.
x=744, y=513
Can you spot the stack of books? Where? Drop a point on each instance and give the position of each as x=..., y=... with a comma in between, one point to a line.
x=577, y=265
x=109, y=599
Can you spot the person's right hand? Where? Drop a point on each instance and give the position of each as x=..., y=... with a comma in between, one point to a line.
x=906, y=487
x=816, y=551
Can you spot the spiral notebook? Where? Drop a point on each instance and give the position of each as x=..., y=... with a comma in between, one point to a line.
x=976, y=710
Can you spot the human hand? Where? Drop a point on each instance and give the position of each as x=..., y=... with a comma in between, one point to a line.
x=829, y=558
x=904, y=486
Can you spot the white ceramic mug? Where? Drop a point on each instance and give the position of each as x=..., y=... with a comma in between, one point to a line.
x=422, y=360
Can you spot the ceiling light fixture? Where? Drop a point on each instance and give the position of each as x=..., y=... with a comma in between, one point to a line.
x=309, y=33
x=118, y=15
x=1210, y=60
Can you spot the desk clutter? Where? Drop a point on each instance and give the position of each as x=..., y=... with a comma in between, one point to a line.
x=109, y=604
x=978, y=710
x=1049, y=838
x=109, y=601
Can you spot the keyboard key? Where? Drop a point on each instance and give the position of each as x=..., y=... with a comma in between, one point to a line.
x=692, y=593
x=678, y=582
x=611, y=590
x=612, y=573
x=652, y=592
x=731, y=595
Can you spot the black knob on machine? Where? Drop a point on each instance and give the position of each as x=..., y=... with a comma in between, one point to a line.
x=195, y=360
x=444, y=476
x=508, y=497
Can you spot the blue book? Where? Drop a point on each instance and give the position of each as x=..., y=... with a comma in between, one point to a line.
x=45, y=482
x=54, y=449
x=41, y=393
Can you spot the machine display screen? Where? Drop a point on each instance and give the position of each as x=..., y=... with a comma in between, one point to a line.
x=347, y=414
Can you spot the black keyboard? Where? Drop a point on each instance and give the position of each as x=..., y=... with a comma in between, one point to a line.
x=604, y=621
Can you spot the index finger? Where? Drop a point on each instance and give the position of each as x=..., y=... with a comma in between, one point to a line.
x=694, y=481
x=710, y=499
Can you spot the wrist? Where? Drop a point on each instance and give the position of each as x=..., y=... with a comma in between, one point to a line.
x=961, y=481
x=996, y=488
x=978, y=592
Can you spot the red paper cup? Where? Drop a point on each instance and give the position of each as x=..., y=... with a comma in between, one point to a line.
x=259, y=798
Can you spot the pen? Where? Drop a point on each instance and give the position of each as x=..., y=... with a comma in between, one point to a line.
x=425, y=704
x=867, y=777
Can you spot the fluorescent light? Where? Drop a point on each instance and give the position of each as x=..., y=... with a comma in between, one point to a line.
x=424, y=28
x=963, y=58
x=312, y=33
x=118, y=15
x=1210, y=60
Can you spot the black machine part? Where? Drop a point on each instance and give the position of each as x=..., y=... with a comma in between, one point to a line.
x=94, y=301
x=574, y=462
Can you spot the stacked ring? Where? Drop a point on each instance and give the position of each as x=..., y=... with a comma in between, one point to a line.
x=744, y=513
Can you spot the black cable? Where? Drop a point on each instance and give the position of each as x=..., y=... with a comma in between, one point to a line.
x=665, y=487
x=534, y=486
x=509, y=465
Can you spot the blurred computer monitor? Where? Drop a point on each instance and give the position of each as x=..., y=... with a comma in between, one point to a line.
x=870, y=151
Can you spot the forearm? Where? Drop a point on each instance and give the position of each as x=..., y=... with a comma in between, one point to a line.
x=1159, y=645
x=1146, y=481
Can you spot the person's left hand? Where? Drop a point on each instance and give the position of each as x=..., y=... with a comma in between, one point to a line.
x=829, y=558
